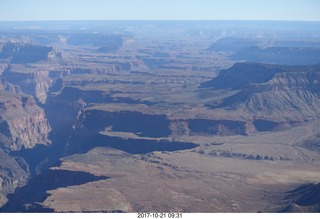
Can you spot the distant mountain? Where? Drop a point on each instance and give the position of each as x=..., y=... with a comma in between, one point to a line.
x=105, y=42
x=280, y=55
x=242, y=74
x=273, y=51
x=234, y=44
x=270, y=92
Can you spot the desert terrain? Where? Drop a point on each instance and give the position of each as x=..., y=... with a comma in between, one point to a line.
x=160, y=116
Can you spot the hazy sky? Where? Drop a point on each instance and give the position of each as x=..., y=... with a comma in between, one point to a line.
x=18, y=10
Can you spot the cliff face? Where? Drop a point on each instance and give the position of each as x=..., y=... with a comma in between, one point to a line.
x=12, y=174
x=36, y=190
x=24, y=53
x=145, y=125
x=305, y=198
x=272, y=94
x=34, y=82
x=143, y=132
x=105, y=69
x=22, y=122
x=5, y=86
x=23, y=125
x=242, y=74
x=290, y=93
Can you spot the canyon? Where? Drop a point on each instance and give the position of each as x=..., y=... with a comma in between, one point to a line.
x=159, y=118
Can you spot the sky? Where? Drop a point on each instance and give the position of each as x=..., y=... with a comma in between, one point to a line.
x=36, y=10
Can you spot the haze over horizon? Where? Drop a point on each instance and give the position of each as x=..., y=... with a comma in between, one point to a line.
x=39, y=10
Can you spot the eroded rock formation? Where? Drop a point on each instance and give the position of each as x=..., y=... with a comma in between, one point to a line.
x=274, y=95
x=24, y=53
x=32, y=81
x=23, y=123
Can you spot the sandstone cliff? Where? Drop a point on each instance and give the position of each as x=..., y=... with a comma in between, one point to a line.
x=13, y=172
x=33, y=81
x=22, y=122
x=23, y=125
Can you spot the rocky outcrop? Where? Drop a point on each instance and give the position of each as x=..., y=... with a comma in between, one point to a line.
x=23, y=125
x=5, y=86
x=22, y=122
x=13, y=173
x=241, y=75
x=24, y=53
x=25, y=199
x=272, y=94
x=179, y=127
x=144, y=125
x=66, y=107
x=156, y=126
x=305, y=198
x=244, y=156
x=142, y=132
x=217, y=127
x=32, y=81
x=105, y=69
x=62, y=110
x=82, y=141
x=290, y=93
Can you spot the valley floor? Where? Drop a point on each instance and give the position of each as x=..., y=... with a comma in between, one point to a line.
x=222, y=174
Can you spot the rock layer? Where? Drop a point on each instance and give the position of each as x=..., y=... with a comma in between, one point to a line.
x=22, y=122
x=32, y=81
x=270, y=94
